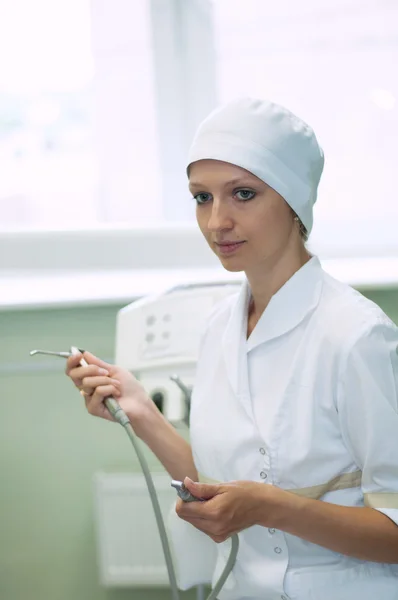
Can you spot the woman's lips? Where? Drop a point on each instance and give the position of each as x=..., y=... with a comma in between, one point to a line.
x=226, y=248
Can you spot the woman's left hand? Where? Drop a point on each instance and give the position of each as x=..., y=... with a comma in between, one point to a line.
x=229, y=507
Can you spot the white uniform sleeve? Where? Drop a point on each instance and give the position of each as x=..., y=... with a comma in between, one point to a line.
x=368, y=411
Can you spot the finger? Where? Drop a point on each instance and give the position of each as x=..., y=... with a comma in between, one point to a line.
x=72, y=362
x=184, y=511
x=211, y=529
x=100, y=394
x=79, y=373
x=207, y=528
x=89, y=384
x=94, y=360
x=202, y=490
x=104, y=411
x=194, y=510
x=185, y=507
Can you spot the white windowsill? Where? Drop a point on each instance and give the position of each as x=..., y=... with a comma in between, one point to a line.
x=50, y=289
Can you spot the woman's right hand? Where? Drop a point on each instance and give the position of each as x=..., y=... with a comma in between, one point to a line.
x=99, y=380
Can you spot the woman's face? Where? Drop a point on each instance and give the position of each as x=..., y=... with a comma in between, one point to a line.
x=246, y=223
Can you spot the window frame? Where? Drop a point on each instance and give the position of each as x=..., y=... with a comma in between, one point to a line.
x=184, y=64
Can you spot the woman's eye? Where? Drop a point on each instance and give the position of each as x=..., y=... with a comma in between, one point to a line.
x=245, y=194
x=201, y=198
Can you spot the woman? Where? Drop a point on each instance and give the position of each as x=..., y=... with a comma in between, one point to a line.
x=295, y=405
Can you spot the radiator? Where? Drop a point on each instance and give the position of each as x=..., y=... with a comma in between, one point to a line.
x=128, y=546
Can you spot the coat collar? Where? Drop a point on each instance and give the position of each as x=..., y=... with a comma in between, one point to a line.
x=290, y=305
x=287, y=308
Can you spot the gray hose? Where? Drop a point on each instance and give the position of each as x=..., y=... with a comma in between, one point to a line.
x=157, y=511
x=120, y=416
x=162, y=530
x=228, y=567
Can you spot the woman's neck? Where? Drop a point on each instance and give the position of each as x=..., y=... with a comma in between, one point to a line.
x=265, y=283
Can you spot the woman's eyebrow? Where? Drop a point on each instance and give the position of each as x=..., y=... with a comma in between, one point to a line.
x=235, y=181
x=240, y=181
x=195, y=184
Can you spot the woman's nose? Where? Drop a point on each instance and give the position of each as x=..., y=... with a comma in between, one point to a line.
x=219, y=218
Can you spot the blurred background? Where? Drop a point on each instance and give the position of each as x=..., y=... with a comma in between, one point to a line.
x=99, y=100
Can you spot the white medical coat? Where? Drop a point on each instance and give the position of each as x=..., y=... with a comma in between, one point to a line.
x=307, y=403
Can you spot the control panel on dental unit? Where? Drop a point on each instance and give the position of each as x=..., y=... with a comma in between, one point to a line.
x=157, y=338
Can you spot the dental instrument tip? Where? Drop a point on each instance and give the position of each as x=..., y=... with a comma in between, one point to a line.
x=51, y=353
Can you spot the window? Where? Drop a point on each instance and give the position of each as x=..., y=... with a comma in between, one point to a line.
x=334, y=64
x=99, y=101
x=48, y=167
x=96, y=110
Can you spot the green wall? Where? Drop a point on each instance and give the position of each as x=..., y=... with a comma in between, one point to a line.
x=50, y=449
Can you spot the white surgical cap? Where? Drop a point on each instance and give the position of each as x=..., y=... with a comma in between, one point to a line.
x=270, y=142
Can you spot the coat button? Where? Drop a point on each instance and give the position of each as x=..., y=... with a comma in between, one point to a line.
x=277, y=550
x=262, y=450
x=272, y=531
x=263, y=475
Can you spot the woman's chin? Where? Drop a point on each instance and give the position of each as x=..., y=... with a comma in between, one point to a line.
x=231, y=265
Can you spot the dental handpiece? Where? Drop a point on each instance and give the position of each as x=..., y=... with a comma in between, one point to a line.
x=120, y=416
x=183, y=492
x=114, y=408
